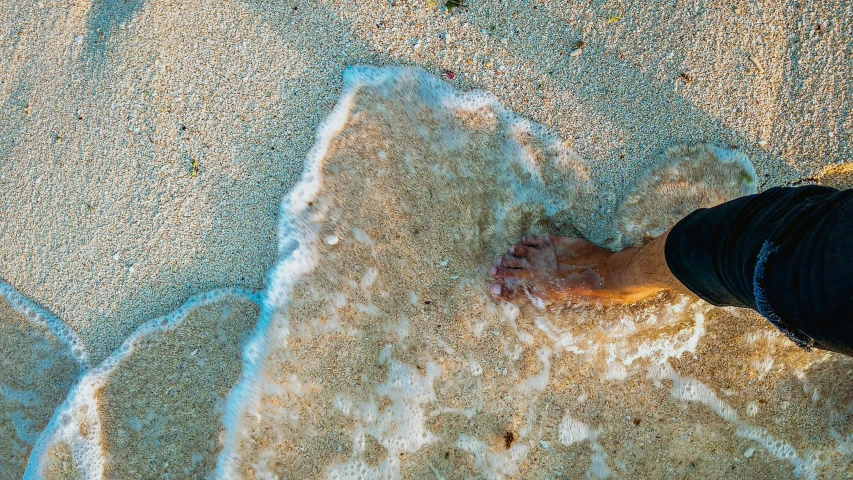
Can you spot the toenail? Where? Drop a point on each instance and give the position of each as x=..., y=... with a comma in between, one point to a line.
x=493, y=271
x=495, y=289
x=512, y=249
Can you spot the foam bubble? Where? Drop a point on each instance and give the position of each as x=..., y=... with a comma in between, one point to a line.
x=573, y=431
x=493, y=465
x=778, y=448
x=658, y=200
x=42, y=358
x=692, y=390
x=360, y=470
x=43, y=318
x=540, y=380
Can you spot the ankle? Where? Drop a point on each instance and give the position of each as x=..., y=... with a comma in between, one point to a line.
x=629, y=276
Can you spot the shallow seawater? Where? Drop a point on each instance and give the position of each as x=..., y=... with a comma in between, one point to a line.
x=41, y=360
x=376, y=351
x=380, y=354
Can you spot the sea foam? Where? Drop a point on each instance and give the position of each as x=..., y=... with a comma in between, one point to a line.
x=381, y=354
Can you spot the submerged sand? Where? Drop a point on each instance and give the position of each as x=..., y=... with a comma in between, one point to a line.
x=388, y=358
x=153, y=409
x=38, y=367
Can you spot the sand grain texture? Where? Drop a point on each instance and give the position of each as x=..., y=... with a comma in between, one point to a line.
x=106, y=105
x=153, y=409
x=161, y=407
x=146, y=145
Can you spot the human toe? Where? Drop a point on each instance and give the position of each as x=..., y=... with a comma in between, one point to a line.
x=501, y=272
x=534, y=240
x=509, y=261
x=502, y=291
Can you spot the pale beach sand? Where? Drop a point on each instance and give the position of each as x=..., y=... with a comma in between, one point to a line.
x=146, y=146
x=107, y=104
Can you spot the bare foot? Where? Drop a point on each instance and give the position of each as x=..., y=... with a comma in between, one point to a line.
x=559, y=269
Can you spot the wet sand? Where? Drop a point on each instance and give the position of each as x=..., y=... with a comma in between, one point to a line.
x=395, y=362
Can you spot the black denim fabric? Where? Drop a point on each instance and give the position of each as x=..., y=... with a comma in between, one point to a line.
x=786, y=252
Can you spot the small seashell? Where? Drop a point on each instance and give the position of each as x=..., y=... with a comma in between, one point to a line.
x=749, y=452
x=576, y=52
x=332, y=239
x=757, y=63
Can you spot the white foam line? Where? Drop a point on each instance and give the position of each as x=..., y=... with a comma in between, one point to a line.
x=297, y=250
x=662, y=351
x=294, y=233
x=43, y=318
x=691, y=390
x=726, y=155
x=86, y=449
x=475, y=100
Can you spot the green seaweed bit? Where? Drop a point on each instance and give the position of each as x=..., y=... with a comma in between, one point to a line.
x=451, y=4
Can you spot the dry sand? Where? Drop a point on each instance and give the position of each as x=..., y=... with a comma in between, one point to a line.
x=106, y=105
